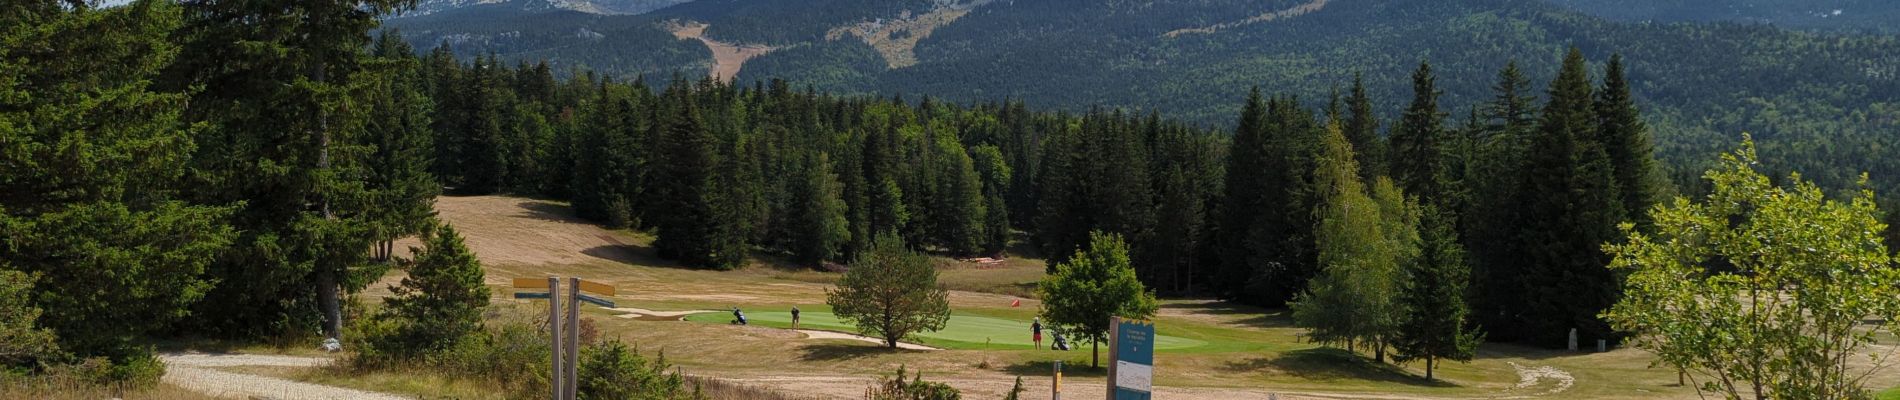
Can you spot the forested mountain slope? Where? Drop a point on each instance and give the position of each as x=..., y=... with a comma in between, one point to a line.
x=1822, y=103
x=1840, y=15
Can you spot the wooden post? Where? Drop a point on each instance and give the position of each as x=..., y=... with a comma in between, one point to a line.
x=1114, y=328
x=1055, y=390
x=573, y=335
x=556, y=381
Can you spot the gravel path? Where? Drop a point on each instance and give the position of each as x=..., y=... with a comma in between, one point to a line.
x=194, y=371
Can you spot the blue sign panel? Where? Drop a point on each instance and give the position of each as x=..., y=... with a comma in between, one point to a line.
x=1134, y=360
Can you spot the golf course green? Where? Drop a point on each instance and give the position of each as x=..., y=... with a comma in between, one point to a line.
x=961, y=332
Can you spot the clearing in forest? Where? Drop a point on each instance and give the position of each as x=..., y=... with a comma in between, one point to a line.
x=727, y=59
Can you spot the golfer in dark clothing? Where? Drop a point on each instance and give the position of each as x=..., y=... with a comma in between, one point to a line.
x=1036, y=329
x=794, y=317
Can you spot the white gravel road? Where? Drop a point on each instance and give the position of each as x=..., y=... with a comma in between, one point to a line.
x=197, y=372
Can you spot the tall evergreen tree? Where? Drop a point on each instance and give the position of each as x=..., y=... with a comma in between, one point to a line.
x=1571, y=210
x=1434, y=325
x=401, y=188
x=1243, y=199
x=276, y=79
x=1417, y=142
x=1626, y=138
x=1060, y=202
x=691, y=229
x=1495, y=184
x=958, y=206
x=1362, y=130
x=819, y=213
x=92, y=157
x=997, y=177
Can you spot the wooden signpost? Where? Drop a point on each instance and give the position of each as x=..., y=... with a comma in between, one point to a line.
x=566, y=347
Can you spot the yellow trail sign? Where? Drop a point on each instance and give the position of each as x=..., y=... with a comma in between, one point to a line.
x=597, y=288
x=531, y=283
x=586, y=286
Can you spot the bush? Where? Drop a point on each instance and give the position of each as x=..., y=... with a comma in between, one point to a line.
x=513, y=353
x=610, y=370
x=22, y=344
x=901, y=387
x=141, y=369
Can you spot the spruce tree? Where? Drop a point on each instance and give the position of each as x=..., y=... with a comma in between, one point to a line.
x=1060, y=201
x=1434, y=324
x=439, y=302
x=402, y=189
x=1362, y=130
x=1626, y=137
x=996, y=176
x=275, y=94
x=92, y=231
x=1242, y=203
x=819, y=213
x=1570, y=210
x=1492, y=218
x=1417, y=142
x=691, y=227
x=958, y=206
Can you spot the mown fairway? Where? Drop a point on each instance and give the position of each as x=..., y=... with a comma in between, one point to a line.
x=962, y=332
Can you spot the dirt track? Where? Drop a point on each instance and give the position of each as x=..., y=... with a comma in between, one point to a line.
x=198, y=372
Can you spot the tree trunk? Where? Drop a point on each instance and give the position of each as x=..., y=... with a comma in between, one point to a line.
x=326, y=275
x=1429, y=361
x=1095, y=354
x=1378, y=351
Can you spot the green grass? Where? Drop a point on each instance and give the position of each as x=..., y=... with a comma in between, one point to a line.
x=1889, y=394
x=961, y=332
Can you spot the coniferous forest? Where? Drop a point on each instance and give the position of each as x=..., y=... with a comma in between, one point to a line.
x=234, y=179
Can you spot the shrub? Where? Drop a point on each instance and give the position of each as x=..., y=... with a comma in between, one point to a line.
x=22, y=344
x=611, y=370
x=901, y=387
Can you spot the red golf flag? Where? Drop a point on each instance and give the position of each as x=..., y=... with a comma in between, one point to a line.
x=1016, y=303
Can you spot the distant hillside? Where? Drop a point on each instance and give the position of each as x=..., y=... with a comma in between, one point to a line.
x=1823, y=104
x=1838, y=15
x=612, y=7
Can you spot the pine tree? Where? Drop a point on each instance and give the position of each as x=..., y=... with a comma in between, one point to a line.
x=1417, y=142
x=890, y=292
x=1626, y=137
x=1362, y=130
x=1434, y=325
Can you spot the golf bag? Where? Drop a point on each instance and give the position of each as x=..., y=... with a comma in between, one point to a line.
x=1060, y=344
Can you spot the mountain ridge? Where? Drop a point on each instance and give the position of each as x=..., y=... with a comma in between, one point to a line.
x=1701, y=84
